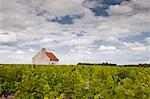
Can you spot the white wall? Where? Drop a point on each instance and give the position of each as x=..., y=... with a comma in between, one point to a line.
x=42, y=58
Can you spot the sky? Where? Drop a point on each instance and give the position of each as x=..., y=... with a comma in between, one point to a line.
x=93, y=31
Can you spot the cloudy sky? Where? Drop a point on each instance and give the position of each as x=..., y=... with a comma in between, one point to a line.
x=115, y=31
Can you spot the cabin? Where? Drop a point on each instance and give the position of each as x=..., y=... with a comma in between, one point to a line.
x=45, y=57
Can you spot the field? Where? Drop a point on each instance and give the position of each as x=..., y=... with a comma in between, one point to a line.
x=74, y=82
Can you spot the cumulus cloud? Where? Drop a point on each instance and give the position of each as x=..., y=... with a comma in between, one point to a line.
x=107, y=48
x=92, y=3
x=25, y=29
x=4, y=51
x=135, y=46
x=31, y=50
x=7, y=37
x=19, y=52
x=119, y=9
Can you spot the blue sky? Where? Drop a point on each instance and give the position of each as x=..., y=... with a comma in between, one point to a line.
x=115, y=31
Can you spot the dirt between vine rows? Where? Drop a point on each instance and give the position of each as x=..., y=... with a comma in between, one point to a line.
x=7, y=97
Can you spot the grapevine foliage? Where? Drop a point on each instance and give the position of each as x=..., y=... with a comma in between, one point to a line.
x=74, y=82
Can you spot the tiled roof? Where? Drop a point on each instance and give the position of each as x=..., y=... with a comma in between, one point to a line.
x=52, y=56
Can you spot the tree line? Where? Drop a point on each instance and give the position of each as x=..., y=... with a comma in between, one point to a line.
x=111, y=64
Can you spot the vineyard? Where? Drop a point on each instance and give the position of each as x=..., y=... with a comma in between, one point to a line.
x=74, y=82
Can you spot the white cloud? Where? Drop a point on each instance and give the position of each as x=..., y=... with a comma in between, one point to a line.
x=135, y=46
x=57, y=7
x=7, y=37
x=31, y=50
x=19, y=52
x=119, y=9
x=93, y=3
x=112, y=39
x=46, y=40
x=4, y=51
x=141, y=3
x=21, y=29
x=81, y=49
x=107, y=50
x=16, y=57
